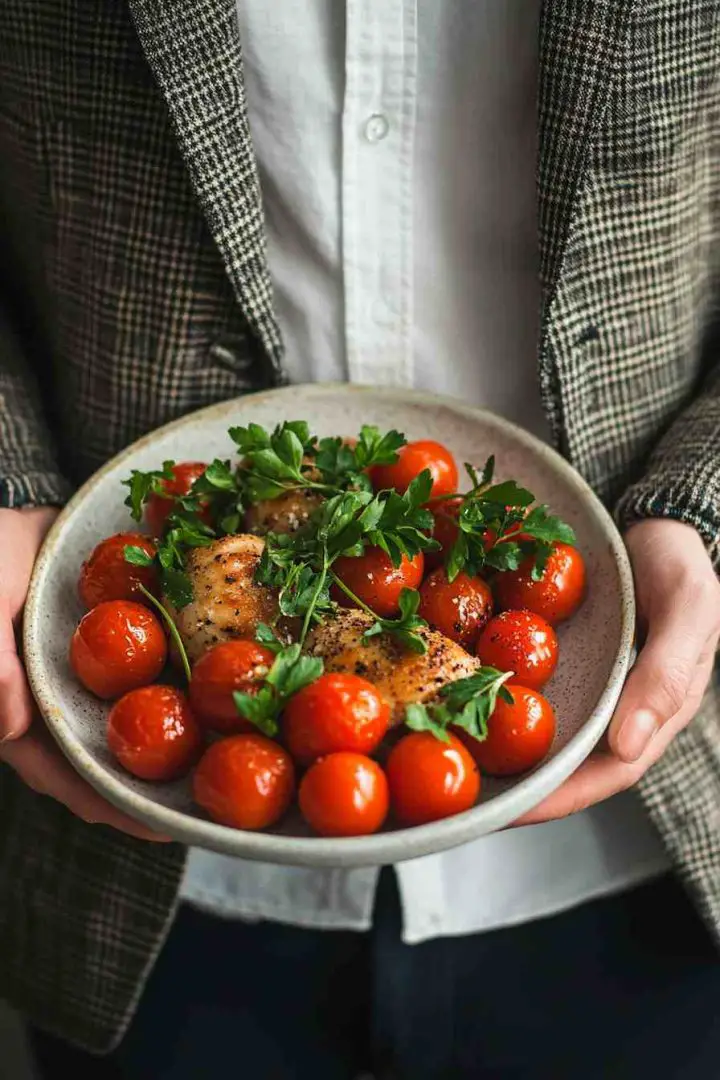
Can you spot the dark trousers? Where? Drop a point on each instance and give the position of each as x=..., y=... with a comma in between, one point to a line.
x=627, y=987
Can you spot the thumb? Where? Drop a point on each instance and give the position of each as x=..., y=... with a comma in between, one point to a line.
x=16, y=703
x=679, y=635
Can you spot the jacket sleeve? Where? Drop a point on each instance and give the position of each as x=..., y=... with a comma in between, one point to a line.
x=29, y=475
x=682, y=476
x=29, y=472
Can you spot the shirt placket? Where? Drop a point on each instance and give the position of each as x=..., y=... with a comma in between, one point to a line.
x=378, y=132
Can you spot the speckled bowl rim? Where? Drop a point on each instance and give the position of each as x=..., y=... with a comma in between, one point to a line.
x=383, y=848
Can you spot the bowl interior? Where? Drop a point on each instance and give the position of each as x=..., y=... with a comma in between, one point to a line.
x=595, y=645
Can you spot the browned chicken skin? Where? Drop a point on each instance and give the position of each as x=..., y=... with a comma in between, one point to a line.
x=401, y=676
x=227, y=603
x=286, y=514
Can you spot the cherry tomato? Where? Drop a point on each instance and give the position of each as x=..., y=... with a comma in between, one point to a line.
x=412, y=459
x=430, y=779
x=445, y=531
x=229, y=666
x=459, y=609
x=245, y=781
x=375, y=581
x=522, y=642
x=336, y=712
x=556, y=596
x=118, y=646
x=519, y=735
x=105, y=575
x=344, y=794
x=153, y=733
x=157, y=508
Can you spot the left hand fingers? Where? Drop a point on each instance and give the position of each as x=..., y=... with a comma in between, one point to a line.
x=682, y=637
x=602, y=775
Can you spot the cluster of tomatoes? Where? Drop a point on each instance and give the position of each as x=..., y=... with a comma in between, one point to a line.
x=332, y=730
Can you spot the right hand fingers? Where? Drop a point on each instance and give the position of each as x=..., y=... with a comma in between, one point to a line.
x=16, y=704
x=40, y=764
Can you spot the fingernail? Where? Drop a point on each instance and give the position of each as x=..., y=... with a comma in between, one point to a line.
x=636, y=734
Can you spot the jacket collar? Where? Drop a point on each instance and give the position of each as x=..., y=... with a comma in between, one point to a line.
x=581, y=47
x=193, y=48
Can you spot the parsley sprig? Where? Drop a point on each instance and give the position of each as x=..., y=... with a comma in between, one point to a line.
x=186, y=531
x=290, y=672
x=290, y=458
x=299, y=564
x=466, y=703
x=404, y=628
x=499, y=527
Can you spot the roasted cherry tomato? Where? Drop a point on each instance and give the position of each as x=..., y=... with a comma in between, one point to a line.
x=556, y=596
x=336, y=712
x=375, y=581
x=118, y=646
x=105, y=575
x=445, y=513
x=519, y=735
x=344, y=794
x=521, y=642
x=430, y=779
x=459, y=609
x=245, y=781
x=412, y=460
x=153, y=733
x=229, y=666
x=157, y=508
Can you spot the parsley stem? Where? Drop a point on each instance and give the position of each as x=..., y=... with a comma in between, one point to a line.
x=351, y=595
x=322, y=578
x=172, y=627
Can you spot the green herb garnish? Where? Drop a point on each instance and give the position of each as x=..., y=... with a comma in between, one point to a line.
x=299, y=565
x=499, y=528
x=289, y=673
x=466, y=703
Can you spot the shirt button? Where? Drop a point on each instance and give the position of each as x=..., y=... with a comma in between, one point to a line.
x=376, y=127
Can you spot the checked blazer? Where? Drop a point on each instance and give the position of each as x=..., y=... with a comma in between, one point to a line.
x=136, y=289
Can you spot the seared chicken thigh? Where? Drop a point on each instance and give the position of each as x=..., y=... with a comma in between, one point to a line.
x=286, y=514
x=401, y=676
x=227, y=603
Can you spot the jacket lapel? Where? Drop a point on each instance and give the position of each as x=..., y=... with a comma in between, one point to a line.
x=581, y=43
x=193, y=48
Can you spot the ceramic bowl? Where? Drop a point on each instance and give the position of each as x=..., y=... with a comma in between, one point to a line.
x=595, y=645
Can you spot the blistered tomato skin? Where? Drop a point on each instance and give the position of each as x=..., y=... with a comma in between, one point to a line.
x=519, y=735
x=245, y=782
x=558, y=594
x=117, y=647
x=337, y=712
x=413, y=459
x=521, y=642
x=374, y=580
x=106, y=575
x=430, y=779
x=153, y=733
x=185, y=473
x=344, y=794
x=459, y=609
x=225, y=668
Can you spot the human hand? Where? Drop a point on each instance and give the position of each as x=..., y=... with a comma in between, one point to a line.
x=678, y=599
x=25, y=745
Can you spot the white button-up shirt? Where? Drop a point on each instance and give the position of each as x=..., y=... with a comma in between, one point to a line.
x=397, y=143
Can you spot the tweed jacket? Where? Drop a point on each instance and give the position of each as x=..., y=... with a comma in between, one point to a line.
x=132, y=185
